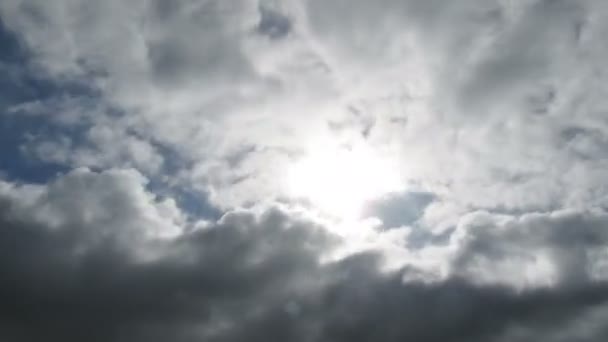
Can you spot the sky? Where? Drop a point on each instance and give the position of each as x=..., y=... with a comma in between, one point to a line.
x=304, y=170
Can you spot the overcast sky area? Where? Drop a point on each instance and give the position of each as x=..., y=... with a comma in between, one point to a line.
x=304, y=170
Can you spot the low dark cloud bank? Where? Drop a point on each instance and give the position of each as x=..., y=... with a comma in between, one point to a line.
x=247, y=277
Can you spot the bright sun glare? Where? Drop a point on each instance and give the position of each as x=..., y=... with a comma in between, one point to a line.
x=341, y=180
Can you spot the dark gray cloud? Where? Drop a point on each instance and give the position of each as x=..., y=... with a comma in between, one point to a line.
x=273, y=24
x=564, y=247
x=211, y=289
x=246, y=277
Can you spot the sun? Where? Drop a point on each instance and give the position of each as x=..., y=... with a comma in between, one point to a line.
x=339, y=180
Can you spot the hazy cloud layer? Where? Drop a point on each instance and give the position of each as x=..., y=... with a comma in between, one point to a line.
x=501, y=100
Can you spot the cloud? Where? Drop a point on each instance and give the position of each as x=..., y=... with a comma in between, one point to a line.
x=272, y=23
x=103, y=145
x=161, y=133
x=475, y=95
x=71, y=257
x=566, y=247
x=187, y=77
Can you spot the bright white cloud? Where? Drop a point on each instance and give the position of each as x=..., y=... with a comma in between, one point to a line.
x=113, y=202
x=341, y=179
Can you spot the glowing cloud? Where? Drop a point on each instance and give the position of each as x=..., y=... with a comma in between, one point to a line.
x=339, y=180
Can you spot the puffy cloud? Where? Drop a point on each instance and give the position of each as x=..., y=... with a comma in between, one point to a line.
x=113, y=202
x=70, y=270
x=539, y=249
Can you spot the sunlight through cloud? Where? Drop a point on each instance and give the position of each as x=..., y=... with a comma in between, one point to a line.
x=338, y=180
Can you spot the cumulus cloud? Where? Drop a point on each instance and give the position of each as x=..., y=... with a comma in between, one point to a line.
x=566, y=247
x=68, y=274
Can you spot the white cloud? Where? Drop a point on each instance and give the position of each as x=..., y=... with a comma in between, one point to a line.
x=473, y=94
x=111, y=203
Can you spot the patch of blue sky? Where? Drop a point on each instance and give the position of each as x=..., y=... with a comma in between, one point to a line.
x=193, y=201
x=20, y=84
